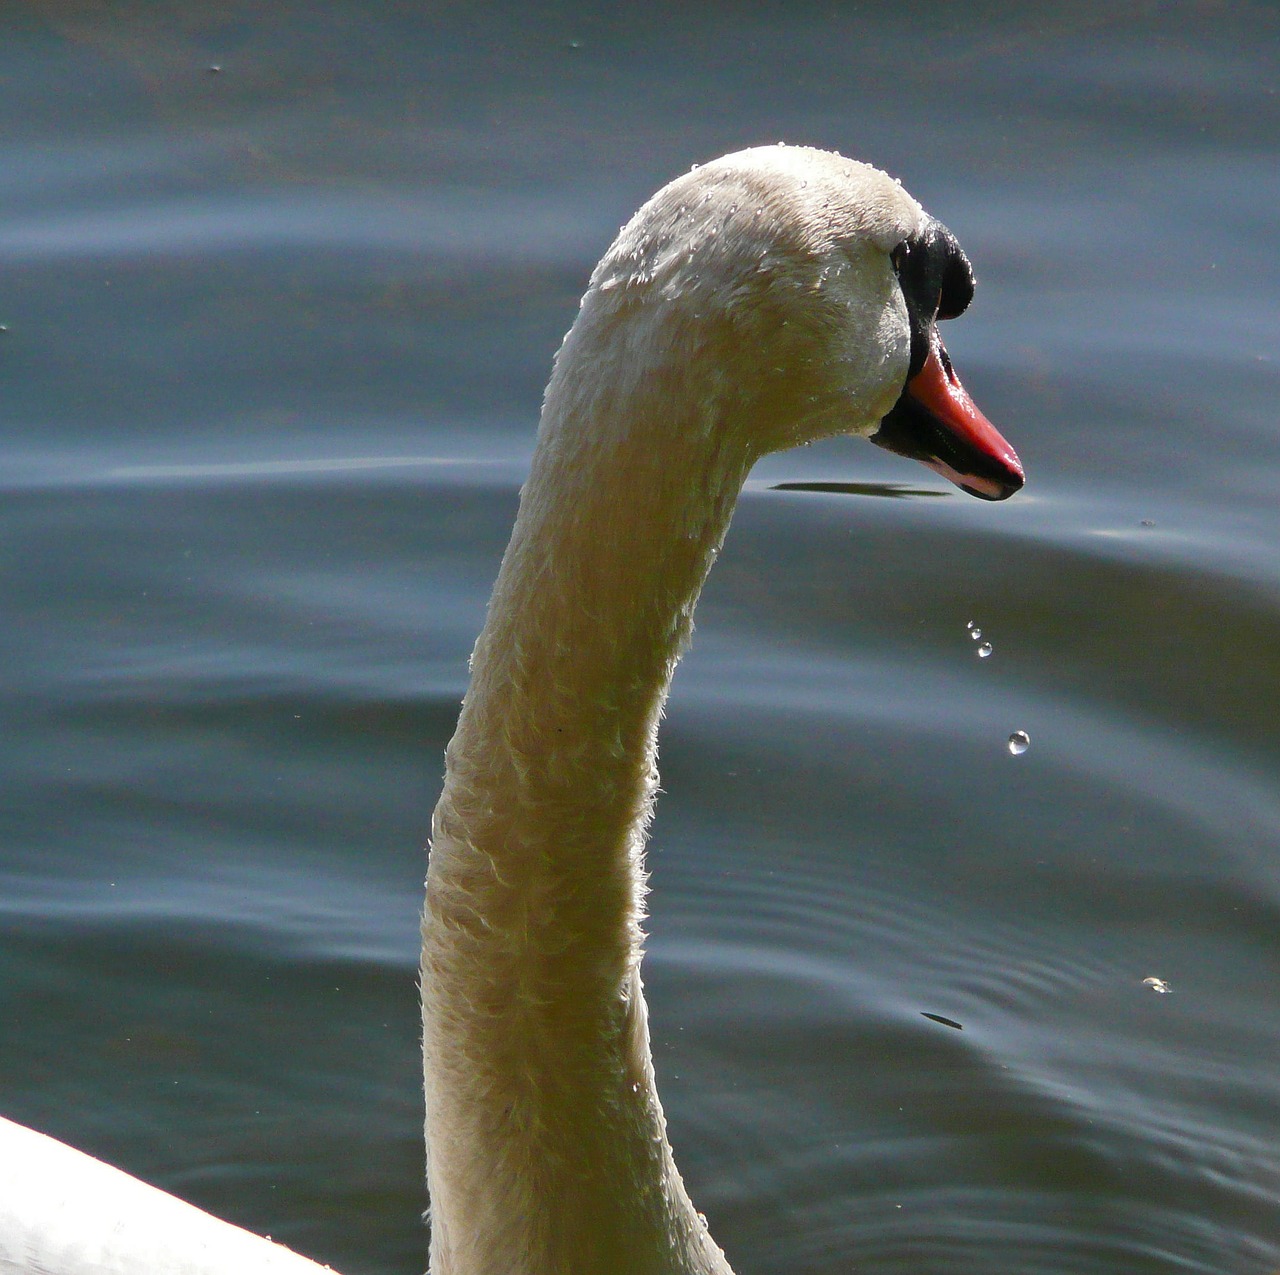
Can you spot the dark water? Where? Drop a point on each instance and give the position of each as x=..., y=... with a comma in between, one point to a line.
x=276, y=336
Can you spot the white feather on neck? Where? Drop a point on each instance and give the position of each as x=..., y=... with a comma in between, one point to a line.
x=747, y=307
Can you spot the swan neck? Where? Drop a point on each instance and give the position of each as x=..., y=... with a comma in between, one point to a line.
x=544, y=1127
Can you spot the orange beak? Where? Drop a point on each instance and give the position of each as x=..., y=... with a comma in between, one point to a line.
x=936, y=422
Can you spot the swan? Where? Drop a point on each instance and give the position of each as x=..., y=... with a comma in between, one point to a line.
x=769, y=298
x=772, y=297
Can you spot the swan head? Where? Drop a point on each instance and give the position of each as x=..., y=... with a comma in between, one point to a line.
x=809, y=288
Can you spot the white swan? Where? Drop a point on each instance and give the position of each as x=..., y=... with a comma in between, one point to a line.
x=772, y=297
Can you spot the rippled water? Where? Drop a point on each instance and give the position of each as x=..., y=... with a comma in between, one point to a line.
x=275, y=339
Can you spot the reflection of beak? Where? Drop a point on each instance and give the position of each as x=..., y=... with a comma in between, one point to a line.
x=935, y=421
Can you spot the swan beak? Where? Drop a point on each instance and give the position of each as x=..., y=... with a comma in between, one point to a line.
x=935, y=421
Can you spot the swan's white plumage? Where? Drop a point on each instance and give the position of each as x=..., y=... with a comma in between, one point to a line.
x=64, y=1213
x=748, y=306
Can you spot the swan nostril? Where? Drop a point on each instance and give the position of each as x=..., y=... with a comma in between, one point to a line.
x=945, y=359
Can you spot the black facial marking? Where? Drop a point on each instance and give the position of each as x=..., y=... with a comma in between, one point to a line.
x=936, y=281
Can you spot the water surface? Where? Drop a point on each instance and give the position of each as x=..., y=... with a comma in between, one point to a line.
x=275, y=339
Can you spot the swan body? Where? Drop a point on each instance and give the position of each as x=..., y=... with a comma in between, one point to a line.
x=767, y=299
x=64, y=1213
x=770, y=298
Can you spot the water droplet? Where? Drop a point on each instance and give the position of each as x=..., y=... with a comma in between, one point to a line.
x=1157, y=985
x=1019, y=742
x=984, y=650
x=969, y=625
x=975, y=633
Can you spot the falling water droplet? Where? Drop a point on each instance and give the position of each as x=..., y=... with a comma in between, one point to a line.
x=975, y=634
x=1157, y=985
x=1019, y=742
x=969, y=625
x=984, y=650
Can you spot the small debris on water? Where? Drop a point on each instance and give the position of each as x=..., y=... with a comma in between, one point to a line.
x=1019, y=742
x=937, y=1018
x=1157, y=985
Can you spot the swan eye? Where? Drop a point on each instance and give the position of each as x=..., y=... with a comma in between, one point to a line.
x=936, y=281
